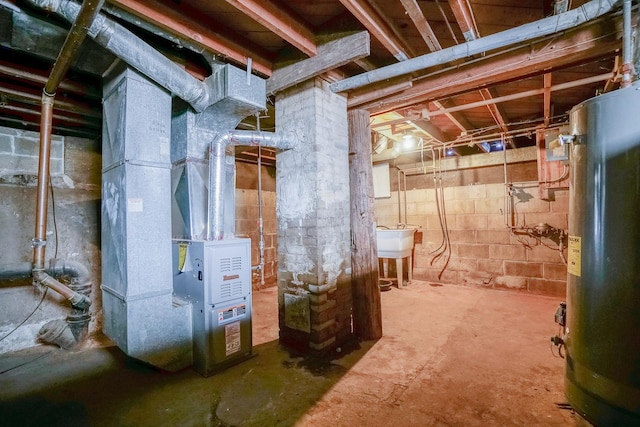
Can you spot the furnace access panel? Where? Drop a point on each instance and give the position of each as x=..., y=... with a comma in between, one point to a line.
x=215, y=276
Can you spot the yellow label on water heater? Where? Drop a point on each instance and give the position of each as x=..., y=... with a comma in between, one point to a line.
x=574, y=255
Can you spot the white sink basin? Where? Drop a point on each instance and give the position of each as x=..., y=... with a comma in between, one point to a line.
x=394, y=243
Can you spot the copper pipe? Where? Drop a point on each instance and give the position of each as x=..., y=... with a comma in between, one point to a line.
x=77, y=34
x=42, y=194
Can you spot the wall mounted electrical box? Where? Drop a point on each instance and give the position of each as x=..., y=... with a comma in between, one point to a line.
x=556, y=149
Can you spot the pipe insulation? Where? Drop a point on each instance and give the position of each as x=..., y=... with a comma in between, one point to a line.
x=135, y=52
x=523, y=33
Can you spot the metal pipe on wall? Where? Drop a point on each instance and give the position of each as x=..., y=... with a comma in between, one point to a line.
x=260, y=216
x=72, y=43
x=522, y=33
x=215, y=223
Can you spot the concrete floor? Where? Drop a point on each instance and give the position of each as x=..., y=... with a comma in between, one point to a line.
x=450, y=356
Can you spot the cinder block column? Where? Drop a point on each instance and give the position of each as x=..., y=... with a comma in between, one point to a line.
x=312, y=206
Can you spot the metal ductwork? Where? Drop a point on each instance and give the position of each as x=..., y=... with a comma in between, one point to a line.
x=151, y=313
x=22, y=31
x=135, y=52
x=520, y=34
x=217, y=183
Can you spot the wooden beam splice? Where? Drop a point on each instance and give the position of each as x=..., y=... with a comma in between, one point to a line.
x=330, y=55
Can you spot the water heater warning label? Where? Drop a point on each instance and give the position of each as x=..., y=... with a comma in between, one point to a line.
x=574, y=255
x=232, y=338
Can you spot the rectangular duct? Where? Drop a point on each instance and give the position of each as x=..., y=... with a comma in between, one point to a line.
x=141, y=314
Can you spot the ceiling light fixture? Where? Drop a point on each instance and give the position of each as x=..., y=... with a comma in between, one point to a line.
x=409, y=141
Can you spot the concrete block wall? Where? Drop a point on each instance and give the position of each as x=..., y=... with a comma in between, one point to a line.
x=314, y=258
x=75, y=234
x=484, y=251
x=247, y=225
x=19, y=156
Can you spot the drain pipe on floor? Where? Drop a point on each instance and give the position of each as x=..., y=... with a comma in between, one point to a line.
x=79, y=274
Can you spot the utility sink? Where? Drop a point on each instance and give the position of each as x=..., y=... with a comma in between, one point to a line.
x=395, y=243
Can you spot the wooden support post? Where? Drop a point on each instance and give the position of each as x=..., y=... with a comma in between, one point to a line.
x=367, y=314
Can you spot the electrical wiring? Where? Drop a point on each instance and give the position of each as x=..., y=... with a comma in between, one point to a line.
x=44, y=294
x=445, y=247
x=27, y=362
x=53, y=213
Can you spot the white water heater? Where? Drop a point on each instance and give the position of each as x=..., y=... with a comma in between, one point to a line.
x=215, y=276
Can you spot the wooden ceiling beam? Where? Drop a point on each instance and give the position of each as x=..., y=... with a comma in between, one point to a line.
x=330, y=56
x=466, y=21
x=458, y=120
x=39, y=77
x=526, y=94
x=430, y=128
x=279, y=21
x=378, y=28
x=420, y=21
x=178, y=23
x=593, y=41
x=464, y=16
x=20, y=95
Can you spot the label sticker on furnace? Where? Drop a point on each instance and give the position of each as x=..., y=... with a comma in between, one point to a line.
x=232, y=338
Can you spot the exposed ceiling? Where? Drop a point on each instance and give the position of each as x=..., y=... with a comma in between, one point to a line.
x=470, y=105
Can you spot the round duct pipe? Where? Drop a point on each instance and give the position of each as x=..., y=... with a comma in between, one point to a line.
x=602, y=380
